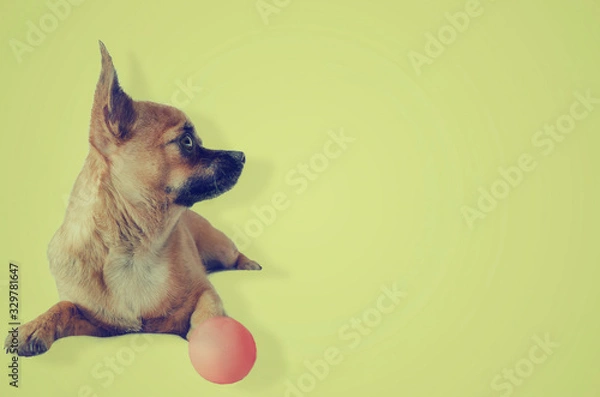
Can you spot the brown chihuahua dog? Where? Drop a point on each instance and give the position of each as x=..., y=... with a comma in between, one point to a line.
x=130, y=256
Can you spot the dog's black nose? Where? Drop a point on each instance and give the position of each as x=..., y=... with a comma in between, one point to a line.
x=239, y=156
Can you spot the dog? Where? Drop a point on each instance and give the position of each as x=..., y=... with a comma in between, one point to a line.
x=131, y=256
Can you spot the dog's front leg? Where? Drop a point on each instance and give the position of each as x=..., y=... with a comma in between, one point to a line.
x=209, y=305
x=217, y=251
x=61, y=320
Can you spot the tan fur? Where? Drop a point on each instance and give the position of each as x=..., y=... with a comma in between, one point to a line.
x=127, y=258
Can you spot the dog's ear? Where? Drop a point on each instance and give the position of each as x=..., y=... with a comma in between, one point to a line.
x=113, y=112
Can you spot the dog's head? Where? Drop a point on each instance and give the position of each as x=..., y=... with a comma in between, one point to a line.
x=153, y=151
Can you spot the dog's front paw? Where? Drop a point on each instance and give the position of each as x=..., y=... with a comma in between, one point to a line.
x=29, y=340
x=248, y=265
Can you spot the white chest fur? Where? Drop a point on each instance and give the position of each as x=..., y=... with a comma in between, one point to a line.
x=135, y=284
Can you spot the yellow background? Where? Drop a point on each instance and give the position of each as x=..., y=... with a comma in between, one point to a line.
x=386, y=211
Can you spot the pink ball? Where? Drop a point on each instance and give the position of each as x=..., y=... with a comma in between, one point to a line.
x=222, y=350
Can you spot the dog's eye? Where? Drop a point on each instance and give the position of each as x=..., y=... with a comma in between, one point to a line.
x=187, y=142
